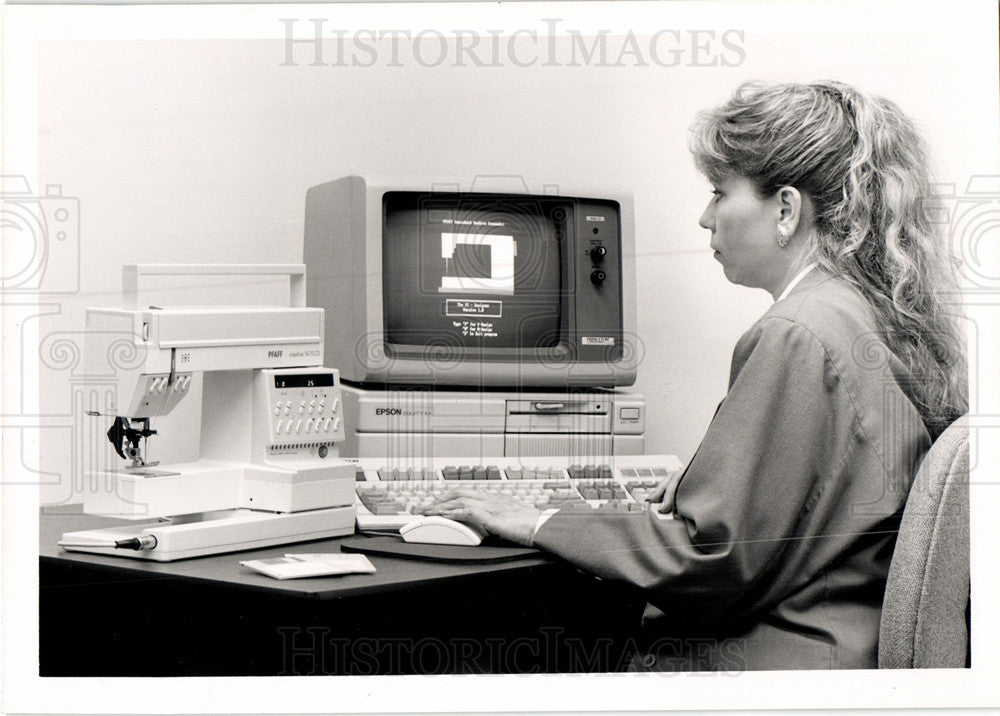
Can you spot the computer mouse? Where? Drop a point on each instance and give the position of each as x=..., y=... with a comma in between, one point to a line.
x=441, y=530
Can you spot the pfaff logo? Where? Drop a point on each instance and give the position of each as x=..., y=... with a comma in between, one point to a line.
x=274, y=354
x=388, y=411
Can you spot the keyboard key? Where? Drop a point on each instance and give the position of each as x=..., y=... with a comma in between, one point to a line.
x=560, y=502
x=388, y=508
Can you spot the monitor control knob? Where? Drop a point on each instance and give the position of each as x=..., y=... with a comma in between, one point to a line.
x=597, y=277
x=598, y=253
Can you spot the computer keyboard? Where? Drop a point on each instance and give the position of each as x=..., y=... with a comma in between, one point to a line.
x=389, y=494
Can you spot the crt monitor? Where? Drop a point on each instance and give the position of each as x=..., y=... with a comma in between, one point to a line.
x=487, y=284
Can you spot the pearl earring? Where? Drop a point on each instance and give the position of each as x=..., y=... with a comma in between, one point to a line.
x=782, y=237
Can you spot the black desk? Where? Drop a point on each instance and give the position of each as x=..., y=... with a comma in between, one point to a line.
x=109, y=616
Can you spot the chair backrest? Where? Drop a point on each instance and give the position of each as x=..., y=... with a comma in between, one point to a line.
x=925, y=614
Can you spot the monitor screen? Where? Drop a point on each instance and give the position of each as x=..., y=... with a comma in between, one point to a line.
x=474, y=272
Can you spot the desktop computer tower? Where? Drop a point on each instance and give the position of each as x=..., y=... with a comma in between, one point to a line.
x=427, y=422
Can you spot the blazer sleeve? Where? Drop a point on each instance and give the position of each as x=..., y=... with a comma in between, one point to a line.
x=743, y=496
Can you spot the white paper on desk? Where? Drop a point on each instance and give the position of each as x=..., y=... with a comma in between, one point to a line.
x=294, y=566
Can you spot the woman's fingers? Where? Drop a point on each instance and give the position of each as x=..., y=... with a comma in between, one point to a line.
x=657, y=494
x=451, y=500
x=499, y=514
x=666, y=491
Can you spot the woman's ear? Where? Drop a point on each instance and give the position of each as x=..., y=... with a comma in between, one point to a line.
x=791, y=205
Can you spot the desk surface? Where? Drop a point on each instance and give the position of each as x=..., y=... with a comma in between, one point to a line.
x=391, y=575
x=211, y=616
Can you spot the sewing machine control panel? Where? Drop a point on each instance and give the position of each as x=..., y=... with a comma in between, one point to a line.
x=157, y=394
x=304, y=408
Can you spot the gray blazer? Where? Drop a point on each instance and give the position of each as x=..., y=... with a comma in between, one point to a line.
x=787, y=514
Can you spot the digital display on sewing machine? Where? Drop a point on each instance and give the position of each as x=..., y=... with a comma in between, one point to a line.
x=303, y=380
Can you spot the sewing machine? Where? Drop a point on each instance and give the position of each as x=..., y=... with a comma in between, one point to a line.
x=271, y=424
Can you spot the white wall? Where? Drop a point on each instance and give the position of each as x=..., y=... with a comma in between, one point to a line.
x=201, y=150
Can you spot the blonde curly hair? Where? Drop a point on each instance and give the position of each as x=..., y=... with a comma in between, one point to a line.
x=864, y=166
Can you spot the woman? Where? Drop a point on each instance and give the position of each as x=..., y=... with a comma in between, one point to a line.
x=784, y=520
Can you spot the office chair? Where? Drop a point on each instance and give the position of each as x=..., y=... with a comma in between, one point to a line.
x=925, y=613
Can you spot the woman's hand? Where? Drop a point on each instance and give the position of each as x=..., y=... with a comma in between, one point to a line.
x=666, y=491
x=498, y=514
